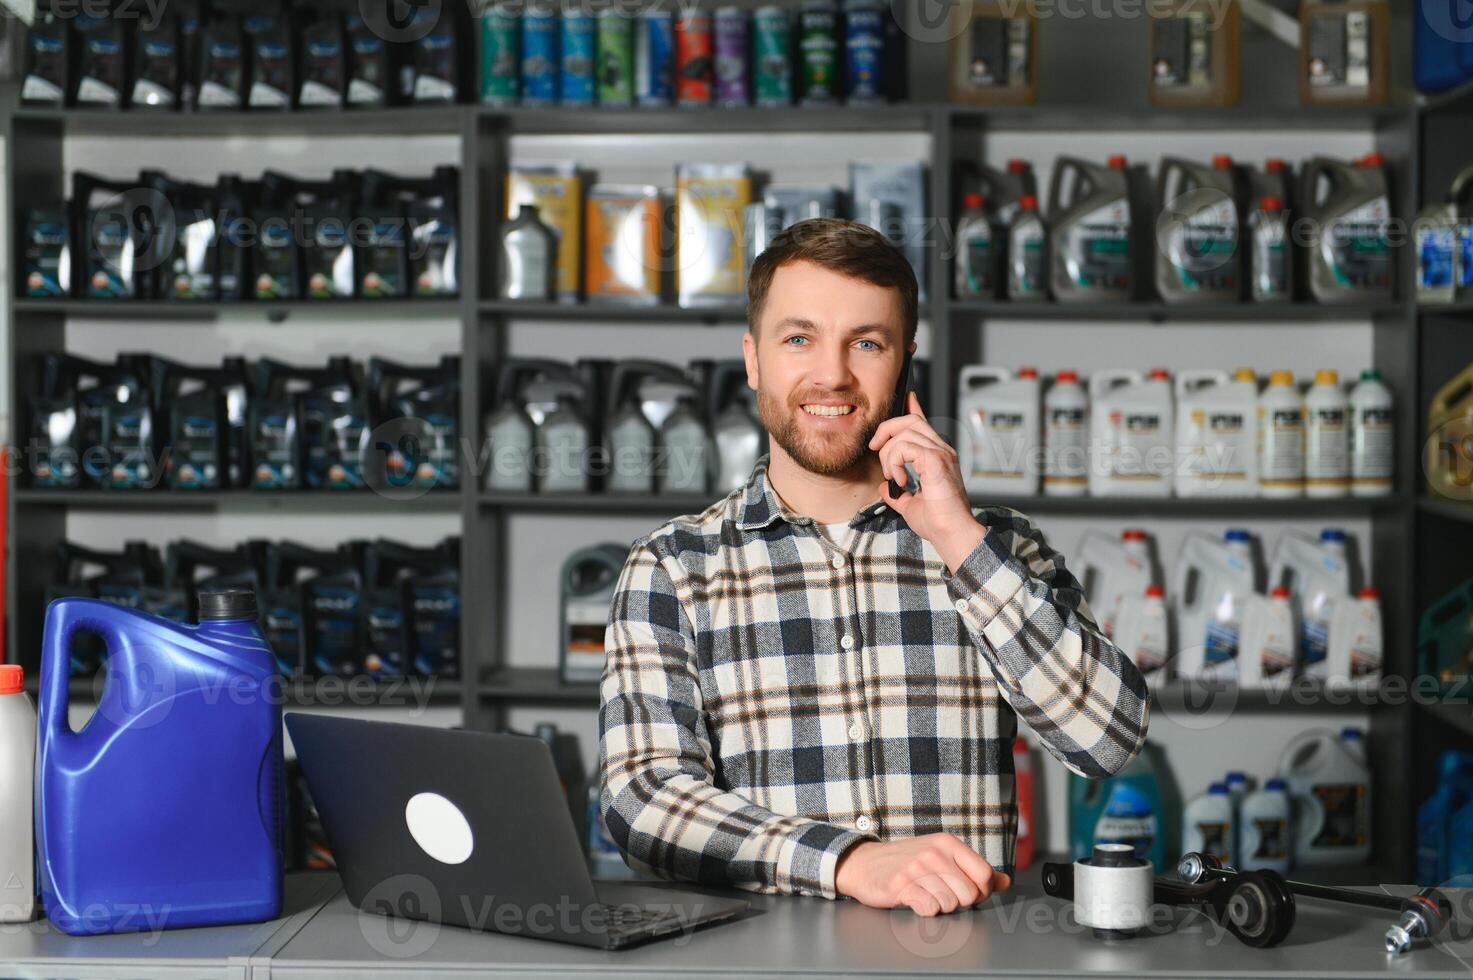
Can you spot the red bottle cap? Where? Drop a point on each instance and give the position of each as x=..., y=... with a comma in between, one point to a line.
x=1370, y=593
x=1117, y=161
x=1016, y=166
x=1280, y=592
x=1271, y=203
x=1274, y=165
x=12, y=678
x=1027, y=372
x=973, y=201
x=1372, y=160
x=1155, y=592
x=1160, y=374
x=1028, y=202
x=1222, y=161
x=1068, y=376
x=1132, y=534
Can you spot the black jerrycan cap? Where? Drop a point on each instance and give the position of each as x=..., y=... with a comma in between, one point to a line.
x=223, y=604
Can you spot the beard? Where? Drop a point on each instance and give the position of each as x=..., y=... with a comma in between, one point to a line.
x=822, y=455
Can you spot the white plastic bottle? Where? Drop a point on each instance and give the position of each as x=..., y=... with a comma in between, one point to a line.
x=1269, y=641
x=1141, y=632
x=1330, y=788
x=1265, y=829
x=1326, y=438
x=17, y=774
x=1281, y=438
x=976, y=251
x=1000, y=430
x=1216, y=433
x=1112, y=570
x=1131, y=433
x=1318, y=573
x=1066, y=437
x=1212, y=583
x=1372, y=436
x=1207, y=824
x=1355, y=652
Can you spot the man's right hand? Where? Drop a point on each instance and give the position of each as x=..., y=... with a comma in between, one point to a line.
x=931, y=874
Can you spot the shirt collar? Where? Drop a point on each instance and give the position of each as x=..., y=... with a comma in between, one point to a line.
x=761, y=506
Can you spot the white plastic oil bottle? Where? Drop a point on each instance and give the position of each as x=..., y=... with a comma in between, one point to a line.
x=976, y=251
x=1317, y=573
x=1000, y=419
x=1066, y=437
x=1212, y=583
x=1198, y=258
x=1131, y=434
x=1216, y=433
x=1027, y=254
x=1269, y=643
x=1207, y=824
x=1270, y=259
x=1091, y=254
x=1356, y=641
x=1330, y=790
x=1265, y=822
x=1281, y=438
x=17, y=776
x=1142, y=632
x=1110, y=569
x=1372, y=436
x=1326, y=437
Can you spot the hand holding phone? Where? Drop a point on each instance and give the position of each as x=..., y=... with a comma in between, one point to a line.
x=898, y=408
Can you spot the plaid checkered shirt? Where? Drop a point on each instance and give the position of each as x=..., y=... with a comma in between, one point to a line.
x=772, y=698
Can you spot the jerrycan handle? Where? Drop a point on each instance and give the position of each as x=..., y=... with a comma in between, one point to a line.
x=64, y=619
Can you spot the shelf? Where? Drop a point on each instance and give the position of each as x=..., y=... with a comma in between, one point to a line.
x=1460, y=307
x=1199, y=507
x=318, y=692
x=398, y=121
x=191, y=311
x=1456, y=99
x=534, y=684
x=313, y=501
x=1302, y=698
x=1180, y=313
x=572, y=312
x=1290, y=116
x=600, y=504
x=1459, y=716
x=1446, y=508
x=897, y=117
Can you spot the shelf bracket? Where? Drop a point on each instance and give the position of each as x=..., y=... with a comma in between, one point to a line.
x=1273, y=20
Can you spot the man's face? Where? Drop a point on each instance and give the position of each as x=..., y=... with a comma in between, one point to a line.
x=824, y=362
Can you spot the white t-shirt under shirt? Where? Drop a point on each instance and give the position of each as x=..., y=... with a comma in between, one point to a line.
x=836, y=533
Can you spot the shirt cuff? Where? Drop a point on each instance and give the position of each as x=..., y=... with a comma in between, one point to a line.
x=985, y=582
x=812, y=861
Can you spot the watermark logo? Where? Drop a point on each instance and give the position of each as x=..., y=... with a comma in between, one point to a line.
x=137, y=227
x=400, y=21
x=1451, y=20
x=407, y=919
x=1193, y=228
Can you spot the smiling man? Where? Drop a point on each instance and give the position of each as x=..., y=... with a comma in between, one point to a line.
x=812, y=686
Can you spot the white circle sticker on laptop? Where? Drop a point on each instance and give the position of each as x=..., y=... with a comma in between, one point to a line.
x=439, y=828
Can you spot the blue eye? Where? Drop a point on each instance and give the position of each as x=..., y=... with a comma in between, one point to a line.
x=872, y=345
x=796, y=340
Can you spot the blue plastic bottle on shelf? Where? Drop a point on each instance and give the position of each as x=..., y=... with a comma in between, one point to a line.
x=1126, y=808
x=1442, y=38
x=1435, y=816
x=165, y=810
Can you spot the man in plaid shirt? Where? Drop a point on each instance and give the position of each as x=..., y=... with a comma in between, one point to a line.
x=813, y=686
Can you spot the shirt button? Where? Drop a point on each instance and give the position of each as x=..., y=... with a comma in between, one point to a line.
x=880, y=509
x=838, y=561
x=847, y=643
x=854, y=730
x=961, y=605
x=862, y=823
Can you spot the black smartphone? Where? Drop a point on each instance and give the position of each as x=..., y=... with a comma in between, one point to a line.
x=897, y=409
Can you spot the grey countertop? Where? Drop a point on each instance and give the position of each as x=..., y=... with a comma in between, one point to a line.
x=1022, y=933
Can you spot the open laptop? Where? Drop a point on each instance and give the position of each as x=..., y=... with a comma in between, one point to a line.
x=472, y=829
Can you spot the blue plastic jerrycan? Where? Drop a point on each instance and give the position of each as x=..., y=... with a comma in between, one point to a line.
x=165, y=810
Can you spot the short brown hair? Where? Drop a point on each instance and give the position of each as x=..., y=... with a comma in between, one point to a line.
x=846, y=247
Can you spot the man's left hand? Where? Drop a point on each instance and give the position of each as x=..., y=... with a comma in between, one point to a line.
x=939, y=511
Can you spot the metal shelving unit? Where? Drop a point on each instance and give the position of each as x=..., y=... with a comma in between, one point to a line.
x=493, y=682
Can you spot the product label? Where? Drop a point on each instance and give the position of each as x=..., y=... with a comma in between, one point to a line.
x=1270, y=260
x=978, y=266
x=1216, y=838
x=1096, y=250
x=1203, y=248
x=1128, y=819
x=1326, y=444
x=1273, y=839
x=1436, y=246
x=1281, y=446
x=999, y=444
x=1345, y=820
x=1356, y=247
x=1371, y=446
x=1066, y=443
x=1027, y=264
x=1465, y=255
